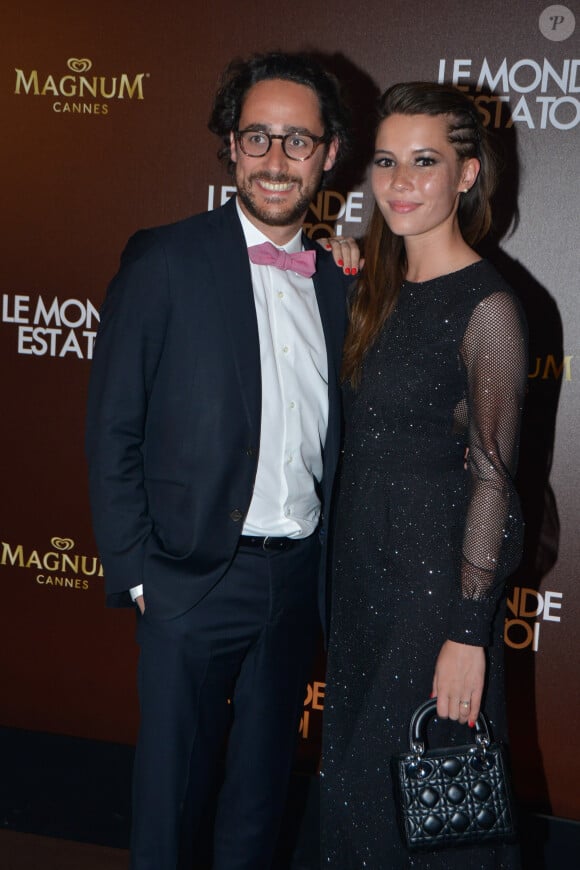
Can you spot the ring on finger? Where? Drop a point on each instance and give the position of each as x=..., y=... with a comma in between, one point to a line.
x=464, y=703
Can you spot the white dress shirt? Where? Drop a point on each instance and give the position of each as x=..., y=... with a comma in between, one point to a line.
x=294, y=420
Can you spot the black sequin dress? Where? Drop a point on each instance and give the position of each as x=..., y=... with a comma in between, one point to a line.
x=422, y=548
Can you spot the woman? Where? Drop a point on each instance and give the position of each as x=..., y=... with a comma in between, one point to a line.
x=434, y=367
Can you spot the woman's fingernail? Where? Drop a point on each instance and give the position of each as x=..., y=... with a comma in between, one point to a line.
x=354, y=270
x=347, y=271
x=432, y=695
x=471, y=724
x=340, y=262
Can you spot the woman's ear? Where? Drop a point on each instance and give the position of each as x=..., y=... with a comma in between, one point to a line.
x=469, y=173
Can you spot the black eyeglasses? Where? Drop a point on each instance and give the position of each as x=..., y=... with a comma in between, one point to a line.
x=296, y=146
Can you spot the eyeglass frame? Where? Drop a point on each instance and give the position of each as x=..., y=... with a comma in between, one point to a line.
x=317, y=140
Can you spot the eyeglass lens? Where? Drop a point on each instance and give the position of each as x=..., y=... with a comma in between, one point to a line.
x=296, y=146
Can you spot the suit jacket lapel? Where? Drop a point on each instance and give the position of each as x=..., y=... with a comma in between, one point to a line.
x=233, y=286
x=327, y=283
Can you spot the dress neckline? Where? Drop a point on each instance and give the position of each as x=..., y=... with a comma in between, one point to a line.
x=463, y=270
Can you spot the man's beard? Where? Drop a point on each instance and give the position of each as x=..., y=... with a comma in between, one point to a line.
x=277, y=216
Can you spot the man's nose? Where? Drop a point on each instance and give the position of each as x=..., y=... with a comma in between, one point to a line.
x=276, y=158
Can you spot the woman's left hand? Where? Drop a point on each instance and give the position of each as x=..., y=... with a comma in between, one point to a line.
x=345, y=251
x=458, y=681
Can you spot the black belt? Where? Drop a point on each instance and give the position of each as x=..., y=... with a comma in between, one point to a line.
x=269, y=543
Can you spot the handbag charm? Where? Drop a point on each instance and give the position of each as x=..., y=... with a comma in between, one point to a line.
x=455, y=795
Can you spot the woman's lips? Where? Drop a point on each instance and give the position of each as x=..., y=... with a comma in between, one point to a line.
x=403, y=207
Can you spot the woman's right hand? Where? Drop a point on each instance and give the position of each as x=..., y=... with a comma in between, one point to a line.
x=345, y=251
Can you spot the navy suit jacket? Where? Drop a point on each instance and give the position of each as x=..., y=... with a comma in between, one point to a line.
x=174, y=409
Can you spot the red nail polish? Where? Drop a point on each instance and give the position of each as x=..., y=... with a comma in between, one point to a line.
x=340, y=262
x=432, y=695
x=347, y=271
x=471, y=724
x=354, y=271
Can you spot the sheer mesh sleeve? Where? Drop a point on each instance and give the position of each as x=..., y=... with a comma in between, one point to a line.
x=494, y=352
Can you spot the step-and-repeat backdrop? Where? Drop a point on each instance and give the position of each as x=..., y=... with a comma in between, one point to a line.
x=104, y=108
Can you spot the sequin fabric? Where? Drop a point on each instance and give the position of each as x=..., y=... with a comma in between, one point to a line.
x=423, y=545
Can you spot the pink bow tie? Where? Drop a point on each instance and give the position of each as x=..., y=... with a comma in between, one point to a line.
x=267, y=254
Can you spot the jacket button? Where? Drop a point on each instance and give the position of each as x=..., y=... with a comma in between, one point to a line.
x=251, y=451
x=236, y=515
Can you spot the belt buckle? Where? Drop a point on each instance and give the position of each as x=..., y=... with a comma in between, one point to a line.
x=265, y=542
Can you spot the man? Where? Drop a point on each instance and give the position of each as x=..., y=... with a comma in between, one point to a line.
x=212, y=439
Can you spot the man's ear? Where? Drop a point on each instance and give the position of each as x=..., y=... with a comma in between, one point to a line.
x=233, y=150
x=331, y=155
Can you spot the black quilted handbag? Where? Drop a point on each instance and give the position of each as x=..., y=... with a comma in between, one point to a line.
x=455, y=795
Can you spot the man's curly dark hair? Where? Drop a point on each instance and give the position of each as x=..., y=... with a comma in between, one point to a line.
x=303, y=69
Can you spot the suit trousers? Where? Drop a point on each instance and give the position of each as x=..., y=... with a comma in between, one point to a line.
x=230, y=672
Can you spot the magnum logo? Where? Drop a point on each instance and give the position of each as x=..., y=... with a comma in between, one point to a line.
x=546, y=368
x=57, y=567
x=77, y=92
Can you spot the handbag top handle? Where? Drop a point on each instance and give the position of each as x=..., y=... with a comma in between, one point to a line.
x=428, y=709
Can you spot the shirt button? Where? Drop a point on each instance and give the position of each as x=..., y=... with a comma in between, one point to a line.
x=285, y=348
x=292, y=404
x=280, y=295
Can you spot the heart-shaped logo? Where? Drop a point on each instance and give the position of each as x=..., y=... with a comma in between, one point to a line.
x=79, y=64
x=62, y=543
